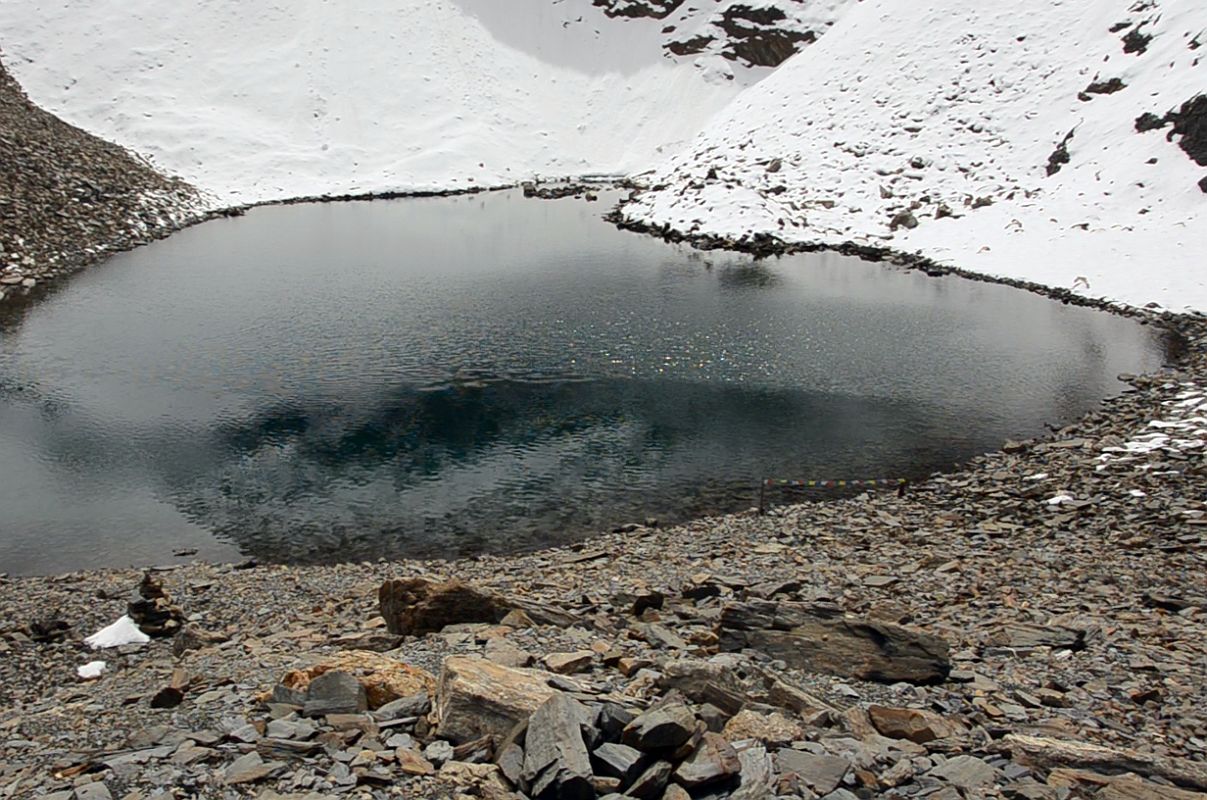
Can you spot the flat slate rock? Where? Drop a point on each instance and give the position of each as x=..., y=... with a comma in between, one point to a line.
x=615, y=760
x=822, y=638
x=249, y=769
x=652, y=782
x=335, y=692
x=966, y=772
x=822, y=774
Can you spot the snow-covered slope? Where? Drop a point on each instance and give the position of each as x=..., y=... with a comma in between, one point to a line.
x=947, y=107
x=268, y=100
x=954, y=112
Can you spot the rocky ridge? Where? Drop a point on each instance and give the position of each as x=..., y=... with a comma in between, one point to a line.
x=69, y=199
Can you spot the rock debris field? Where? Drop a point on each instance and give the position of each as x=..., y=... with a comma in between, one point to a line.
x=1032, y=627
x=69, y=199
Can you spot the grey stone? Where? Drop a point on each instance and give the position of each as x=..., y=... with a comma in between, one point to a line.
x=820, y=773
x=611, y=721
x=822, y=638
x=438, y=752
x=966, y=772
x=556, y=764
x=503, y=652
x=713, y=762
x=248, y=734
x=335, y=692
x=843, y=794
x=93, y=791
x=650, y=783
x=757, y=774
x=510, y=760
x=668, y=726
x=414, y=706
x=290, y=729
x=617, y=760
x=249, y=769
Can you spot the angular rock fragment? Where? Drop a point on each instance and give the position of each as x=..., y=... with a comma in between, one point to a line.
x=384, y=679
x=660, y=728
x=714, y=761
x=704, y=682
x=616, y=760
x=822, y=774
x=556, y=764
x=966, y=772
x=506, y=654
x=249, y=769
x=477, y=780
x=774, y=728
x=611, y=721
x=757, y=775
x=416, y=705
x=476, y=751
x=412, y=763
x=334, y=692
x=1047, y=752
x=821, y=638
x=567, y=663
x=190, y=637
x=651, y=782
x=917, y=725
x=1025, y=636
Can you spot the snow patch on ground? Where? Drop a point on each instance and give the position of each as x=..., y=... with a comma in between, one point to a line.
x=1182, y=432
x=124, y=631
x=91, y=671
x=952, y=112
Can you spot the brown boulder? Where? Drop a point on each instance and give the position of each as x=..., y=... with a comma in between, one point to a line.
x=914, y=724
x=822, y=638
x=415, y=606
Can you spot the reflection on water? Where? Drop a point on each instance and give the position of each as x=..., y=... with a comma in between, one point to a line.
x=429, y=377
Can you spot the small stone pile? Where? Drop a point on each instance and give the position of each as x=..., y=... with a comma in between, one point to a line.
x=152, y=610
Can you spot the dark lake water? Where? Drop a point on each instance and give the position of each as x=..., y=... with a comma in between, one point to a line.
x=442, y=376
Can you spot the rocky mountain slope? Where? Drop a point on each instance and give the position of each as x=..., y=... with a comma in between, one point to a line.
x=68, y=198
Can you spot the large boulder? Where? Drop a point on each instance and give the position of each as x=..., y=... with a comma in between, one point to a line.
x=822, y=638
x=478, y=698
x=415, y=606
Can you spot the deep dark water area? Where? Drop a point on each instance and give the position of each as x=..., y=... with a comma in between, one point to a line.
x=440, y=376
